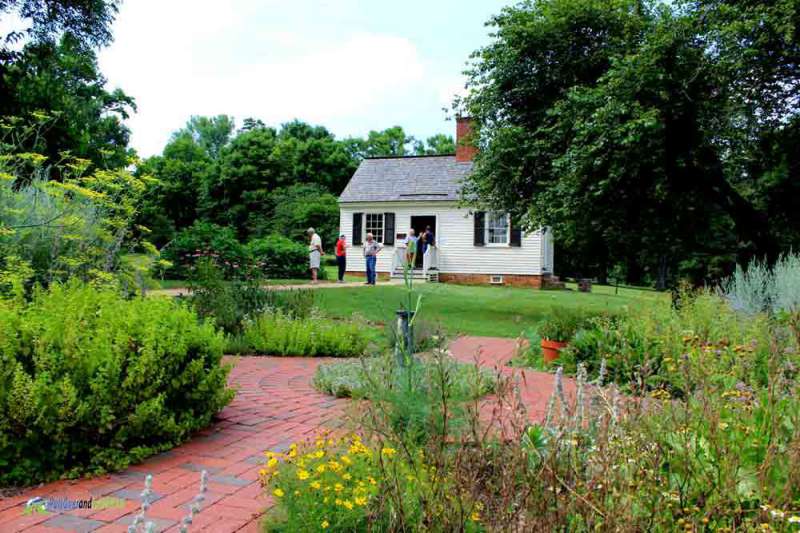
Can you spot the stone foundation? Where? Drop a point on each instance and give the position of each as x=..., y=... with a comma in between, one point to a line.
x=533, y=281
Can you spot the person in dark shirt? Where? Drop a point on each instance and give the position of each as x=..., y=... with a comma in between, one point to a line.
x=427, y=239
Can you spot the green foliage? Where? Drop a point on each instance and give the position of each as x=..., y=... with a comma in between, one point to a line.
x=231, y=303
x=562, y=324
x=77, y=227
x=665, y=348
x=279, y=257
x=297, y=208
x=277, y=333
x=644, y=148
x=203, y=239
x=62, y=79
x=91, y=382
x=356, y=379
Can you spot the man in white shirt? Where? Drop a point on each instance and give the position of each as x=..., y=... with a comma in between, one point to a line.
x=314, y=253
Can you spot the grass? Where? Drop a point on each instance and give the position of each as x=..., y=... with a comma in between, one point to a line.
x=483, y=311
x=181, y=283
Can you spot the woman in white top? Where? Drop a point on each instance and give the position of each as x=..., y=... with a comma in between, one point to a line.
x=315, y=253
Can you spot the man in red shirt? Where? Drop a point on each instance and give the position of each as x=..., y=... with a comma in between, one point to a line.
x=341, y=256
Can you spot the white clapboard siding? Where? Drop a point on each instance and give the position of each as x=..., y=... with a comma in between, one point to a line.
x=454, y=237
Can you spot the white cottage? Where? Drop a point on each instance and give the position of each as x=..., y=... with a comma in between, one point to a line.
x=386, y=196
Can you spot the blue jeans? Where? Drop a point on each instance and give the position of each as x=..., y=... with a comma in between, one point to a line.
x=371, y=259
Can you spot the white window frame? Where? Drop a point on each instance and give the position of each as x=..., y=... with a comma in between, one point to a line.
x=486, y=240
x=367, y=227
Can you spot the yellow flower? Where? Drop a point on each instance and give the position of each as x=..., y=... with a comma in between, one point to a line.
x=272, y=463
x=325, y=499
x=348, y=504
x=361, y=501
x=338, y=487
x=278, y=493
x=372, y=480
x=320, y=443
x=346, y=460
x=334, y=465
x=292, y=453
x=338, y=501
x=319, y=454
x=475, y=516
x=324, y=524
x=297, y=493
x=321, y=469
x=346, y=476
x=723, y=426
x=316, y=485
x=388, y=452
x=303, y=474
x=262, y=472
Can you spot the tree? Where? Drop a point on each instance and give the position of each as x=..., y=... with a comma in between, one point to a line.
x=62, y=80
x=615, y=122
x=212, y=134
x=389, y=142
x=439, y=144
x=88, y=21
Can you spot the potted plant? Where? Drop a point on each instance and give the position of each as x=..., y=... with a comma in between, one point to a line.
x=557, y=330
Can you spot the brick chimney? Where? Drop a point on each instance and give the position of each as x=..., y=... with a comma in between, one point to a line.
x=465, y=148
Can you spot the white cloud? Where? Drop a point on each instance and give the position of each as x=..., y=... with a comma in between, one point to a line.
x=216, y=61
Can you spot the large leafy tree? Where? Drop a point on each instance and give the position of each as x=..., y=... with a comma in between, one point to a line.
x=622, y=125
x=62, y=80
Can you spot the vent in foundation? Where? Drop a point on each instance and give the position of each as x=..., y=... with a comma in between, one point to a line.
x=496, y=280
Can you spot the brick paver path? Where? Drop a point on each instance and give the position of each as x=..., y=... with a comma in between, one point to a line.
x=274, y=406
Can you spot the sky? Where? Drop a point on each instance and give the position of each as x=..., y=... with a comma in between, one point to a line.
x=349, y=65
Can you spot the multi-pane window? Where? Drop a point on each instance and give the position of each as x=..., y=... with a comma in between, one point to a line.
x=497, y=228
x=374, y=225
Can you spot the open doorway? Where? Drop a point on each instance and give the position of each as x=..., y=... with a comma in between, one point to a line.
x=419, y=223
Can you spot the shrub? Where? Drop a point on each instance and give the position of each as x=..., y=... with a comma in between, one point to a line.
x=277, y=333
x=354, y=484
x=660, y=347
x=91, y=382
x=231, y=303
x=279, y=257
x=355, y=379
x=204, y=239
x=562, y=323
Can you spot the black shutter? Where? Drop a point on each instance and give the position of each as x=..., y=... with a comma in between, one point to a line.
x=388, y=229
x=480, y=228
x=516, y=234
x=358, y=220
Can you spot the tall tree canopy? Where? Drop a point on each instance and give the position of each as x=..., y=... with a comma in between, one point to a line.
x=631, y=128
x=62, y=80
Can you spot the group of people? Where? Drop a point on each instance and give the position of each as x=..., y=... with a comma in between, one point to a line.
x=371, y=248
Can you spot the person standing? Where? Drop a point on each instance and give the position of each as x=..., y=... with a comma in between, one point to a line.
x=371, y=250
x=427, y=239
x=315, y=253
x=341, y=256
x=411, y=248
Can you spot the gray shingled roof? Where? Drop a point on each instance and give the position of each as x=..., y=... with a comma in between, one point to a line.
x=397, y=179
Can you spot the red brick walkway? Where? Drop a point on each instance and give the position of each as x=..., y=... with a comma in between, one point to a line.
x=274, y=406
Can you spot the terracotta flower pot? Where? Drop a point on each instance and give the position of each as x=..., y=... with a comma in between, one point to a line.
x=551, y=349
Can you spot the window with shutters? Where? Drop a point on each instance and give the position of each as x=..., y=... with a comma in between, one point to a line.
x=374, y=224
x=498, y=229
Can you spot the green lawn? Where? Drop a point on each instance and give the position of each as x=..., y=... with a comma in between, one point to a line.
x=486, y=311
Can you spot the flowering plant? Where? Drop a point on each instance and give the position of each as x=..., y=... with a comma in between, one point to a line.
x=329, y=483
